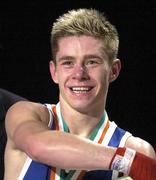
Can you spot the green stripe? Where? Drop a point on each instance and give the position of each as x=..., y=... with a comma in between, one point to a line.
x=96, y=130
x=65, y=127
x=71, y=173
x=65, y=176
x=62, y=174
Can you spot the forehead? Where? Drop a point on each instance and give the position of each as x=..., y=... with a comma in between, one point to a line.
x=79, y=45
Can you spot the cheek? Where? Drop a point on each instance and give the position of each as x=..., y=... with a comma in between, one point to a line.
x=103, y=81
x=62, y=77
x=101, y=75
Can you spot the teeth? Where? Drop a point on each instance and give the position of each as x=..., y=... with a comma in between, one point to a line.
x=80, y=89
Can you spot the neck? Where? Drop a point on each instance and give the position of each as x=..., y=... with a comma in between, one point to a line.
x=80, y=123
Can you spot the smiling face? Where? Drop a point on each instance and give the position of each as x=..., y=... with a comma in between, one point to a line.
x=82, y=72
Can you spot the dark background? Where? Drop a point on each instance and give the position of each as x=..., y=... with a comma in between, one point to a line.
x=25, y=53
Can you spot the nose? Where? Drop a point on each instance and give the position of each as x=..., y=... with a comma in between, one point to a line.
x=80, y=73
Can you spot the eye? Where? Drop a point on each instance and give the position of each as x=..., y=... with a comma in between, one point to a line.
x=92, y=62
x=67, y=63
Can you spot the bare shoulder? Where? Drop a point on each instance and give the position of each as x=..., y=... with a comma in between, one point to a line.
x=23, y=120
x=22, y=112
x=141, y=146
x=28, y=108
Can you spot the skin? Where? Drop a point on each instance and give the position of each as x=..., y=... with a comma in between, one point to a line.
x=81, y=63
x=83, y=74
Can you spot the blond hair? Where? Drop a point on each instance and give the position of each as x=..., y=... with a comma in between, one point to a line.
x=89, y=22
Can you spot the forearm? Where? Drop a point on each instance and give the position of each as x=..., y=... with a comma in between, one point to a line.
x=69, y=151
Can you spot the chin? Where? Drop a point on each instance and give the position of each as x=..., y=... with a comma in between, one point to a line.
x=81, y=106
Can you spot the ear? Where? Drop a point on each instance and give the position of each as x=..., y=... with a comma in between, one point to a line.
x=115, y=70
x=53, y=72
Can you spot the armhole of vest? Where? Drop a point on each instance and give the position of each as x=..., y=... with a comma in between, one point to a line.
x=125, y=136
x=25, y=168
x=124, y=139
x=49, y=107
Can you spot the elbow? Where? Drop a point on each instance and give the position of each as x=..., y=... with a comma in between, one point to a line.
x=147, y=149
x=29, y=145
x=34, y=148
x=38, y=150
x=141, y=146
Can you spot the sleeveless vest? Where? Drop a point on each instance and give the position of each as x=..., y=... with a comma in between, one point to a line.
x=106, y=133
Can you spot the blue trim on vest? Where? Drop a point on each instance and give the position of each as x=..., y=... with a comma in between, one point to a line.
x=37, y=171
x=53, y=126
x=117, y=136
x=98, y=175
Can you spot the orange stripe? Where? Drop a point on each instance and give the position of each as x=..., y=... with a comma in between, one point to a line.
x=81, y=175
x=104, y=132
x=53, y=172
x=55, y=118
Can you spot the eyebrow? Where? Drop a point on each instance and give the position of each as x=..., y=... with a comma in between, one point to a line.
x=92, y=56
x=65, y=57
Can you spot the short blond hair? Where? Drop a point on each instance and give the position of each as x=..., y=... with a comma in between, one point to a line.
x=88, y=22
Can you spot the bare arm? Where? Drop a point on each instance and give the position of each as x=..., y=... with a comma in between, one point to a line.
x=141, y=146
x=26, y=125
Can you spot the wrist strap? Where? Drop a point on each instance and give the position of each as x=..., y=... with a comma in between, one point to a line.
x=122, y=160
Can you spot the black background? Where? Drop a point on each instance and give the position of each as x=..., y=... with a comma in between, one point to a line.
x=25, y=53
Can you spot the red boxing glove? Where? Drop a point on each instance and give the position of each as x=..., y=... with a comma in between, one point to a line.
x=134, y=164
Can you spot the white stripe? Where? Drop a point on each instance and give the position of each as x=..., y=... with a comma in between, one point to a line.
x=76, y=175
x=49, y=107
x=57, y=174
x=25, y=168
x=60, y=123
x=60, y=120
x=124, y=139
x=115, y=175
x=109, y=133
x=129, y=155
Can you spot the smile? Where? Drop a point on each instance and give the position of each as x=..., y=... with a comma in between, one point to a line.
x=80, y=90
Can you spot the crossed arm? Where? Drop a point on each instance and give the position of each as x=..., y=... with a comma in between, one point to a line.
x=26, y=125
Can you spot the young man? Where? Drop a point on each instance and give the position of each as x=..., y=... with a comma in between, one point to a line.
x=74, y=139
